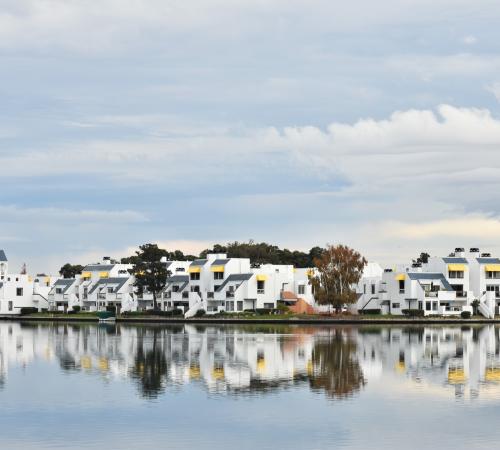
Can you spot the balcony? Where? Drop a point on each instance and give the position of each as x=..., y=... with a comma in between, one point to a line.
x=229, y=294
x=185, y=294
x=210, y=295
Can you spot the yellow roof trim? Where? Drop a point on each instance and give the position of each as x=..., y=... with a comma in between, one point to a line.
x=400, y=277
x=86, y=274
x=492, y=267
x=261, y=277
x=103, y=274
x=457, y=267
x=194, y=269
x=217, y=268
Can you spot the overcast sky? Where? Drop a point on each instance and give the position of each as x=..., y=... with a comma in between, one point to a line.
x=297, y=122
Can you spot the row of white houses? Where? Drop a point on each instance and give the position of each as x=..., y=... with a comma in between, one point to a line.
x=215, y=284
x=441, y=286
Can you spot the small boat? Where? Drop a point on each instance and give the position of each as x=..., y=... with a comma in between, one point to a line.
x=106, y=316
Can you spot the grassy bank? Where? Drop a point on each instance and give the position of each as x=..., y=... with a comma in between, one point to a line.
x=254, y=318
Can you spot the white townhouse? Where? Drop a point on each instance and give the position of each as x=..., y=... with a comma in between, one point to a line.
x=444, y=285
x=20, y=290
x=99, y=286
x=218, y=283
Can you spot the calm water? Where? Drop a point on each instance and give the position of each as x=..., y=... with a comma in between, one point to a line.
x=247, y=387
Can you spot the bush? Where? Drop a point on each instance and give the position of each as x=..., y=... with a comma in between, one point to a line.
x=465, y=314
x=76, y=309
x=283, y=309
x=370, y=311
x=263, y=311
x=413, y=312
x=28, y=310
x=200, y=313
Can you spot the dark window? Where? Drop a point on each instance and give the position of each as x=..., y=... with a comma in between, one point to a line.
x=194, y=276
x=260, y=286
x=401, y=286
x=218, y=275
x=373, y=289
x=19, y=292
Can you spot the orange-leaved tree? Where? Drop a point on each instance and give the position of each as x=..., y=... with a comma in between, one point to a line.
x=338, y=270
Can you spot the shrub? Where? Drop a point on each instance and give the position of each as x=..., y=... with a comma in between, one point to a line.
x=263, y=311
x=28, y=310
x=200, y=313
x=465, y=314
x=283, y=309
x=370, y=311
x=76, y=308
x=413, y=312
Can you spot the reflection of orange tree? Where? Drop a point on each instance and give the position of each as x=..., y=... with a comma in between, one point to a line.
x=335, y=368
x=150, y=365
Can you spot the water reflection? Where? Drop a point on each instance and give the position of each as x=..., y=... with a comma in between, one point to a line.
x=338, y=362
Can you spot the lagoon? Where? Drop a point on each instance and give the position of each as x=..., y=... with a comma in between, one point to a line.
x=123, y=386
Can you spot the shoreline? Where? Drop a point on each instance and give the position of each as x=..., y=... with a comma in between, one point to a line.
x=242, y=321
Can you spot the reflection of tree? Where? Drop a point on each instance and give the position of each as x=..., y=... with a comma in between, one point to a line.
x=335, y=368
x=150, y=366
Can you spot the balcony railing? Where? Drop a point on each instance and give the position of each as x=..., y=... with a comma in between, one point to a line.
x=210, y=295
x=229, y=294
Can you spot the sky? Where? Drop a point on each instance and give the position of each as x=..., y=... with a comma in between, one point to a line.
x=299, y=123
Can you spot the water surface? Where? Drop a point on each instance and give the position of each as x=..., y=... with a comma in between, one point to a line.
x=223, y=387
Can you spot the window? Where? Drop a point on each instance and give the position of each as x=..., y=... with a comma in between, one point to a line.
x=269, y=305
x=195, y=288
x=364, y=288
x=456, y=274
x=110, y=290
x=218, y=275
x=260, y=286
x=58, y=290
x=427, y=306
x=420, y=305
x=493, y=288
x=229, y=306
x=401, y=286
x=175, y=288
x=19, y=292
x=194, y=276
x=434, y=306
x=395, y=305
x=302, y=289
x=239, y=306
x=373, y=289
x=493, y=275
x=10, y=306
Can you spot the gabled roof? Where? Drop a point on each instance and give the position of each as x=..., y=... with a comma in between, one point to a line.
x=116, y=282
x=3, y=258
x=235, y=278
x=423, y=276
x=488, y=260
x=98, y=267
x=220, y=262
x=457, y=260
x=199, y=262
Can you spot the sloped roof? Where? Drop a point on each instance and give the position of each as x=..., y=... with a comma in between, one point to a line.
x=199, y=262
x=220, y=262
x=430, y=276
x=117, y=282
x=98, y=267
x=237, y=277
x=3, y=258
x=488, y=260
x=456, y=260
x=64, y=283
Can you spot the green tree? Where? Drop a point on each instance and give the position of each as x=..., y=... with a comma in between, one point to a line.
x=70, y=270
x=338, y=270
x=150, y=273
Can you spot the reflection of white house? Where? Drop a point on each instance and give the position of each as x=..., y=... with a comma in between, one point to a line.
x=20, y=290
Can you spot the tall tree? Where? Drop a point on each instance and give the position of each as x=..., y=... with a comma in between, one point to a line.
x=70, y=270
x=149, y=272
x=338, y=270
